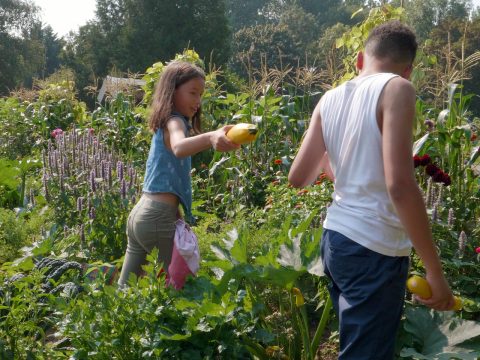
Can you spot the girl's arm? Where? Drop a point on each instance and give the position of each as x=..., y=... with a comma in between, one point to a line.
x=311, y=157
x=182, y=146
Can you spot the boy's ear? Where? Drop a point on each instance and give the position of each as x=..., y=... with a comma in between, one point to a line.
x=359, y=60
x=407, y=72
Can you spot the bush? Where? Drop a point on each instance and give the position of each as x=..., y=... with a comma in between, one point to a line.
x=12, y=235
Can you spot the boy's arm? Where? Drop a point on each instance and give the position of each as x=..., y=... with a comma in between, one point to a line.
x=307, y=165
x=182, y=146
x=396, y=113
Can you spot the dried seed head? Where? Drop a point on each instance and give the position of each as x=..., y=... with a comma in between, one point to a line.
x=428, y=196
x=82, y=235
x=32, y=197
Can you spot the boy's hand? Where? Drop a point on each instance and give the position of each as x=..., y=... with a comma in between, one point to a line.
x=220, y=141
x=442, y=298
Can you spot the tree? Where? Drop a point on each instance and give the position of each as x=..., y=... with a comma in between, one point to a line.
x=53, y=48
x=16, y=15
x=272, y=44
x=130, y=35
x=22, y=56
x=245, y=13
x=425, y=15
x=157, y=30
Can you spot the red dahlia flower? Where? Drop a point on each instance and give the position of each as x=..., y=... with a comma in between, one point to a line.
x=425, y=160
x=438, y=176
x=417, y=161
x=432, y=169
x=446, y=179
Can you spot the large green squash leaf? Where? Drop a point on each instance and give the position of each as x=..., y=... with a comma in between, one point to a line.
x=441, y=335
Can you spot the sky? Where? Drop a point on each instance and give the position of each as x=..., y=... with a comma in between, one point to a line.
x=66, y=15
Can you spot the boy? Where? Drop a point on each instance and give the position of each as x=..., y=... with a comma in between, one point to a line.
x=377, y=212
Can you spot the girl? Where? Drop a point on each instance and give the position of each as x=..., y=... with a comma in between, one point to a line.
x=176, y=110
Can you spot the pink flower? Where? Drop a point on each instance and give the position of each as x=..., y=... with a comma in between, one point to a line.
x=477, y=250
x=56, y=132
x=91, y=131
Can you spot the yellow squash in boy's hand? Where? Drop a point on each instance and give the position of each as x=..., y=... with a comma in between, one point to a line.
x=242, y=133
x=419, y=286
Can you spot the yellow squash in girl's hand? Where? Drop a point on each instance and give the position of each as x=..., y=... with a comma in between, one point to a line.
x=419, y=286
x=242, y=133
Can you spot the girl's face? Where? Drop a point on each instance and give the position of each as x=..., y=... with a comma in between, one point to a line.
x=188, y=96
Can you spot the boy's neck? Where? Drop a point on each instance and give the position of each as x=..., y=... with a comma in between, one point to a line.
x=370, y=65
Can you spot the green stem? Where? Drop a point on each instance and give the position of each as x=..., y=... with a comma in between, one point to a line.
x=303, y=323
x=321, y=325
x=255, y=348
x=22, y=189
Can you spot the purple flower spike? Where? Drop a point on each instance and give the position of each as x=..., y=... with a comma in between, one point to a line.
x=93, y=185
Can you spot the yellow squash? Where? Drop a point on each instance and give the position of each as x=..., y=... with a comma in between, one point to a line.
x=242, y=133
x=458, y=304
x=419, y=286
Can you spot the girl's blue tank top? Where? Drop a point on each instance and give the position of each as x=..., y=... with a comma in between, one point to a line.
x=165, y=173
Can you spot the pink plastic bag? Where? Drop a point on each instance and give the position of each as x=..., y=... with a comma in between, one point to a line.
x=185, y=256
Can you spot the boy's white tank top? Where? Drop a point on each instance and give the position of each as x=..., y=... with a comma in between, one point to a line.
x=361, y=208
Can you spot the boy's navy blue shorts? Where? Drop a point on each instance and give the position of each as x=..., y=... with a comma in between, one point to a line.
x=367, y=291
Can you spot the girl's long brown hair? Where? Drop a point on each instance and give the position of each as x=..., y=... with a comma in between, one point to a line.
x=175, y=74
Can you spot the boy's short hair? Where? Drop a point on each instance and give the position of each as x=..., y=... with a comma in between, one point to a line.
x=392, y=40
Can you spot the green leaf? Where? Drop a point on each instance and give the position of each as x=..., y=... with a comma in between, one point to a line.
x=417, y=146
x=441, y=334
x=218, y=164
x=474, y=155
x=45, y=247
x=291, y=257
x=24, y=264
x=356, y=13
x=239, y=248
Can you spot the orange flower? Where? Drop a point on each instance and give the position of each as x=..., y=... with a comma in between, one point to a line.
x=278, y=161
x=302, y=192
x=275, y=182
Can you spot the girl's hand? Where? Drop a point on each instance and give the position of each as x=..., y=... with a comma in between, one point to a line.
x=442, y=297
x=219, y=140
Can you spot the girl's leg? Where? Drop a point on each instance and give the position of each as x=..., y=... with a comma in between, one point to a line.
x=151, y=224
x=135, y=255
